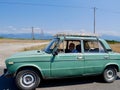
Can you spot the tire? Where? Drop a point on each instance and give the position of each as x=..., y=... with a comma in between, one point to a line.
x=27, y=80
x=110, y=74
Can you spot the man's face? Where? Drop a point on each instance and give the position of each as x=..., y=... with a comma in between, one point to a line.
x=71, y=47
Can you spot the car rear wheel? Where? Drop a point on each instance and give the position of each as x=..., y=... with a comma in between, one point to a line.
x=27, y=80
x=110, y=74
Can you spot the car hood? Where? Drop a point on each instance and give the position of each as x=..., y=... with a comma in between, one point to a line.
x=28, y=54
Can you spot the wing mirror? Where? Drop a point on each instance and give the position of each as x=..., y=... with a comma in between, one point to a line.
x=55, y=53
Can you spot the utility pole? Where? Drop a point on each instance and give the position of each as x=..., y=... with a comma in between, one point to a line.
x=33, y=38
x=94, y=20
x=42, y=34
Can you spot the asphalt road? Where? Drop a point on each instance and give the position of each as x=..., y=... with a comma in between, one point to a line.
x=82, y=83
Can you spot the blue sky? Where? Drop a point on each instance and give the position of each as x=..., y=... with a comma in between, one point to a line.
x=52, y=16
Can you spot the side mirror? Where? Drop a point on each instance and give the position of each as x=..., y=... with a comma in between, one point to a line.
x=55, y=53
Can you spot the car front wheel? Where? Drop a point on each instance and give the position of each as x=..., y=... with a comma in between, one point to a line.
x=110, y=74
x=27, y=80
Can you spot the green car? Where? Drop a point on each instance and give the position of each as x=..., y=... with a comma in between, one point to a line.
x=65, y=56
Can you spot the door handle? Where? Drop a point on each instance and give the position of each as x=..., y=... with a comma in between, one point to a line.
x=106, y=57
x=79, y=57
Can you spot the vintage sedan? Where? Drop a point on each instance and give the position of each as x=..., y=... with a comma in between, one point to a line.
x=65, y=56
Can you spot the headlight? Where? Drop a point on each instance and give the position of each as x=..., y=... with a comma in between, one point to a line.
x=10, y=62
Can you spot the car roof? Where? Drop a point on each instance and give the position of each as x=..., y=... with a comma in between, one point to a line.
x=77, y=36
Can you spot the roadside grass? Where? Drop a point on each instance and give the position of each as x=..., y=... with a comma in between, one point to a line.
x=39, y=47
x=115, y=47
x=21, y=41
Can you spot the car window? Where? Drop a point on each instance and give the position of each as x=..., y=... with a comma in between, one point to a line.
x=62, y=46
x=49, y=48
x=65, y=46
x=93, y=46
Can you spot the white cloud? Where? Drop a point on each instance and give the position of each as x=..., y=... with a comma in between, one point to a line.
x=13, y=30
x=110, y=32
x=68, y=31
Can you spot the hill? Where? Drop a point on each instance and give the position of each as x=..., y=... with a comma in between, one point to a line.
x=48, y=36
x=26, y=36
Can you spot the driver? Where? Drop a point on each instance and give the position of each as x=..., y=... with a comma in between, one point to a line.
x=72, y=48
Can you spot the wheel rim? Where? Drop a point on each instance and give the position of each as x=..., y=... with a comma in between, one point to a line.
x=110, y=74
x=27, y=80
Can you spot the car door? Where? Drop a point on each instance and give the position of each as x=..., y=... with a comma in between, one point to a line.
x=67, y=64
x=95, y=57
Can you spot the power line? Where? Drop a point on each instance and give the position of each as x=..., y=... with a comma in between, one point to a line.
x=109, y=11
x=39, y=4
x=55, y=5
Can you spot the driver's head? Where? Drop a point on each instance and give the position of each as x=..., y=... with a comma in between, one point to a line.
x=71, y=46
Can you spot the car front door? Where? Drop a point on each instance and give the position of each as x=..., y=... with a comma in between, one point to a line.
x=67, y=64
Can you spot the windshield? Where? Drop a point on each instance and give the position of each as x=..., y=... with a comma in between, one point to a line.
x=51, y=45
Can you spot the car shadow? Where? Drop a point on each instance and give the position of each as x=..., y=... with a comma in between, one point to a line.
x=70, y=81
x=118, y=78
x=9, y=84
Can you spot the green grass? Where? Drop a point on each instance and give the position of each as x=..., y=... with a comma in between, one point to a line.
x=112, y=41
x=39, y=47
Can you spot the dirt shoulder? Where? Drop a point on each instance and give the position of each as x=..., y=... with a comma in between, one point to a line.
x=9, y=47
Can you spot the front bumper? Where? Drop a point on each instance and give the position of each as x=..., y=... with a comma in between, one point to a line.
x=5, y=70
x=7, y=74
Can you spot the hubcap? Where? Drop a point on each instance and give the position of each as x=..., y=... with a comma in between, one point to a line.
x=27, y=80
x=110, y=74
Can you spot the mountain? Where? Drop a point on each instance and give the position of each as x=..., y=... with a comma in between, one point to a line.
x=49, y=36
x=111, y=37
x=27, y=36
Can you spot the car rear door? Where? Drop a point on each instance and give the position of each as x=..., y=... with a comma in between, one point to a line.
x=95, y=57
